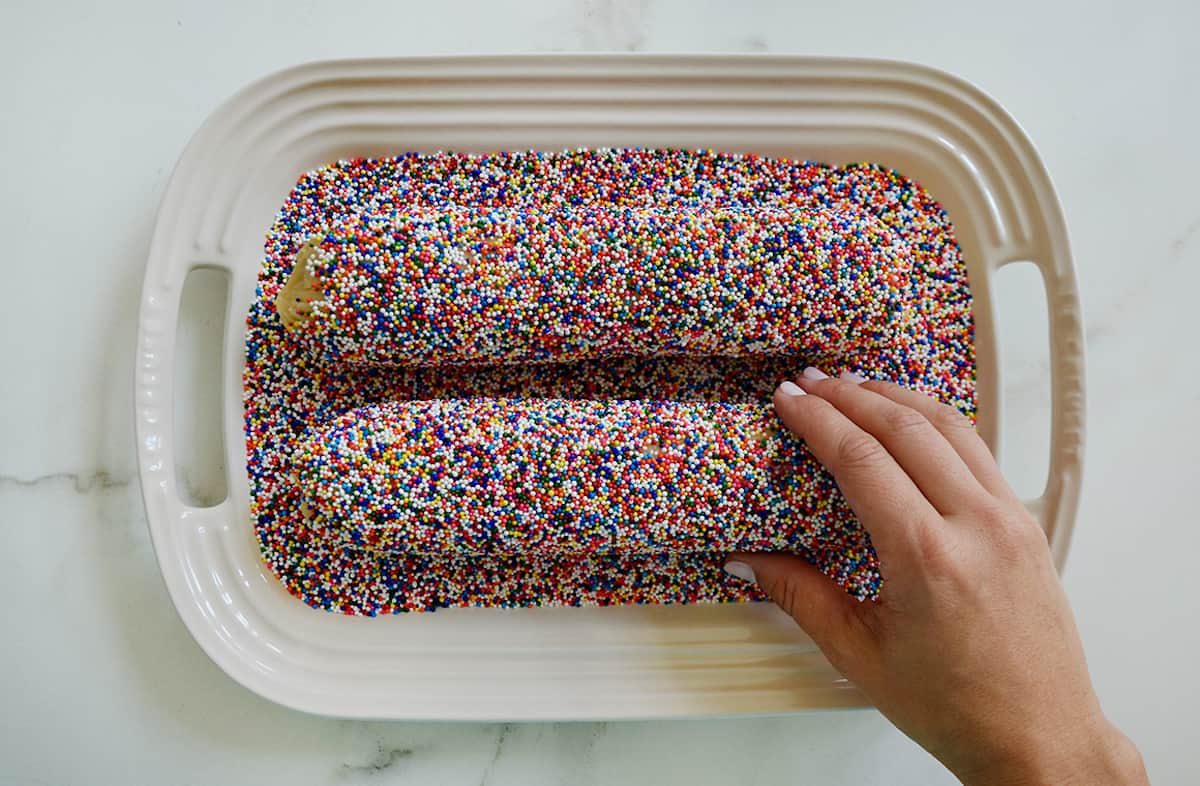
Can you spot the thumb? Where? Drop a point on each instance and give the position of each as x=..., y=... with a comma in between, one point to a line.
x=825, y=612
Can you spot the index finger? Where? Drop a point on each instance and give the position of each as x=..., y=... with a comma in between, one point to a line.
x=887, y=502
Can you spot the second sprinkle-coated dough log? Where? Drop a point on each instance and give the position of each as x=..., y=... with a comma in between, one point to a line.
x=469, y=284
x=565, y=476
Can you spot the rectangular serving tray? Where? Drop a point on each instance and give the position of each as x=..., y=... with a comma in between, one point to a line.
x=559, y=663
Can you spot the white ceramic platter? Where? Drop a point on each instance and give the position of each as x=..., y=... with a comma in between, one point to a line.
x=558, y=663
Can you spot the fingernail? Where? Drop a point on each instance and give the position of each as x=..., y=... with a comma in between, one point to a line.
x=850, y=376
x=791, y=388
x=814, y=373
x=740, y=570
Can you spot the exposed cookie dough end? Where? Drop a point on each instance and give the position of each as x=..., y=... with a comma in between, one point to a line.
x=295, y=299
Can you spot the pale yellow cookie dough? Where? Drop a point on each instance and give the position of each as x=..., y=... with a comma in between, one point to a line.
x=294, y=302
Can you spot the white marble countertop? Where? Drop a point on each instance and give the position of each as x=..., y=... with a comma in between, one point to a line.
x=101, y=683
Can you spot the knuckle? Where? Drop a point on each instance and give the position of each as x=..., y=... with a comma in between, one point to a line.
x=833, y=388
x=1015, y=532
x=933, y=547
x=1032, y=536
x=905, y=420
x=944, y=559
x=786, y=592
x=858, y=449
x=947, y=418
x=996, y=519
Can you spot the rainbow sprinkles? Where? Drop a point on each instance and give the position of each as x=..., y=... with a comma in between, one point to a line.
x=523, y=379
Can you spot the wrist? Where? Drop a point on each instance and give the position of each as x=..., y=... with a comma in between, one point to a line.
x=1099, y=756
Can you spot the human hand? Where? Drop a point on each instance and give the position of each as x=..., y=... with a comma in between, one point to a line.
x=971, y=649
